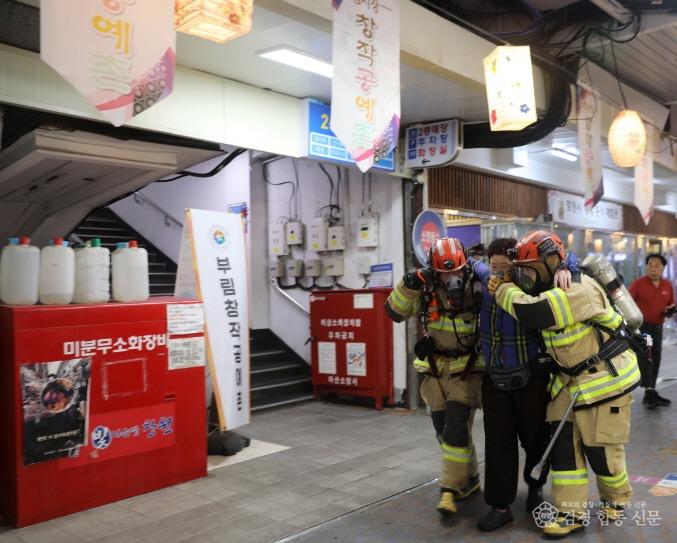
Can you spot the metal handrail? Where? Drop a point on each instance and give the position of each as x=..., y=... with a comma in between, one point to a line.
x=141, y=198
x=292, y=300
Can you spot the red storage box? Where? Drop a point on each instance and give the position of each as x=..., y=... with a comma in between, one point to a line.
x=352, y=350
x=98, y=403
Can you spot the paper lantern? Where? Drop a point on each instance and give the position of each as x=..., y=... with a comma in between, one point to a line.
x=215, y=20
x=510, y=88
x=627, y=139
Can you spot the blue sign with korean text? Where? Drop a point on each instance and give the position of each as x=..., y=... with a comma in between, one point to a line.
x=324, y=145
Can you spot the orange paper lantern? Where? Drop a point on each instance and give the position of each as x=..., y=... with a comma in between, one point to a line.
x=627, y=139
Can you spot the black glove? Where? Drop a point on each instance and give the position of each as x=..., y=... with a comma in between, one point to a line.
x=424, y=347
x=670, y=311
x=418, y=279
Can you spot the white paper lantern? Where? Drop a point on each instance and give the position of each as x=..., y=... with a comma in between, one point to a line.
x=510, y=88
x=627, y=139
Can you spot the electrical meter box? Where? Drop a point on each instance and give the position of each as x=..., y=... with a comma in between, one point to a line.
x=313, y=268
x=276, y=269
x=365, y=262
x=317, y=232
x=336, y=238
x=277, y=240
x=333, y=267
x=367, y=232
x=294, y=267
x=294, y=231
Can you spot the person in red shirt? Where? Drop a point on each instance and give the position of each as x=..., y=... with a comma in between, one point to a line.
x=656, y=300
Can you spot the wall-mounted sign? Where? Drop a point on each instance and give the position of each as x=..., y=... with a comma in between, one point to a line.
x=366, y=84
x=321, y=143
x=118, y=54
x=435, y=144
x=570, y=209
x=428, y=228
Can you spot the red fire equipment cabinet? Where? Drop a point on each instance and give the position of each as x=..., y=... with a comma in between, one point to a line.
x=352, y=344
x=98, y=403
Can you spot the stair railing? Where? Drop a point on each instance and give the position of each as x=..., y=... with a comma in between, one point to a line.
x=141, y=199
x=289, y=298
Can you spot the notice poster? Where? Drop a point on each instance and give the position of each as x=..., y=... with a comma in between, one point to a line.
x=54, y=399
x=356, y=358
x=326, y=356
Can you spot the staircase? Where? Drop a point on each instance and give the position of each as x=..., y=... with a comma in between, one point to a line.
x=102, y=223
x=278, y=375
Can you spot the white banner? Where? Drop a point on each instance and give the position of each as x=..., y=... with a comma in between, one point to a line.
x=213, y=268
x=570, y=209
x=119, y=54
x=365, y=105
x=644, y=179
x=590, y=144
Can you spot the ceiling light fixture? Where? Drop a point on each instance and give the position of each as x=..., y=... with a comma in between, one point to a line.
x=298, y=59
x=215, y=20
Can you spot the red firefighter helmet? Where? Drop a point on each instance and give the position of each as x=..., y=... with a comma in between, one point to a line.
x=448, y=254
x=537, y=246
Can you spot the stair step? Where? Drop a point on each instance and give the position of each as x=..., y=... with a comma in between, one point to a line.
x=267, y=352
x=282, y=383
x=105, y=237
x=281, y=403
x=99, y=230
x=274, y=368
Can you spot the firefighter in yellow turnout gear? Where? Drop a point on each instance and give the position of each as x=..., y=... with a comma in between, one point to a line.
x=446, y=297
x=583, y=334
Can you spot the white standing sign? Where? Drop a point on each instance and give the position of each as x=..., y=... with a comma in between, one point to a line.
x=570, y=209
x=644, y=180
x=212, y=268
x=365, y=106
x=118, y=54
x=590, y=144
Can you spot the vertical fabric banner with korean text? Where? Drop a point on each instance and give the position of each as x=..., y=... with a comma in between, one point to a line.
x=213, y=268
x=365, y=93
x=644, y=179
x=590, y=144
x=118, y=54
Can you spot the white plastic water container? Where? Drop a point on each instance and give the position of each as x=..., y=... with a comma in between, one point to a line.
x=19, y=272
x=92, y=274
x=57, y=273
x=130, y=273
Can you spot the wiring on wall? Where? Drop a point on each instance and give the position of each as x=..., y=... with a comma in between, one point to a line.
x=293, y=187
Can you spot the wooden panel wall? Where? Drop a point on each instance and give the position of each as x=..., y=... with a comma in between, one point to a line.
x=662, y=224
x=461, y=188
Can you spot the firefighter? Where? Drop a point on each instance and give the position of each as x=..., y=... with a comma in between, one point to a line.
x=585, y=337
x=447, y=298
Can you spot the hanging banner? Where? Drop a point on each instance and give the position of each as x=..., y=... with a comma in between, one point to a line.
x=365, y=105
x=644, y=180
x=212, y=268
x=590, y=144
x=119, y=54
x=570, y=209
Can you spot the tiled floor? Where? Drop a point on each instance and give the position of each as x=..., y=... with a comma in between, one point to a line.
x=341, y=459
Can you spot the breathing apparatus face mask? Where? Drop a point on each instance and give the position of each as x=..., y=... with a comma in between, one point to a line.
x=453, y=284
x=534, y=277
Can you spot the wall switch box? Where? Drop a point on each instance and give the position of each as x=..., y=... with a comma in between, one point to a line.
x=313, y=268
x=367, y=232
x=277, y=240
x=294, y=267
x=294, y=233
x=336, y=238
x=276, y=269
x=364, y=264
x=317, y=233
x=333, y=267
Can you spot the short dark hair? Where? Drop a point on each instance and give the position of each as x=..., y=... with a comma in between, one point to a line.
x=658, y=256
x=501, y=246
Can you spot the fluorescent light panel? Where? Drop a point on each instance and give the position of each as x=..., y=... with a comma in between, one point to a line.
x=564, y=154
x=299, y=59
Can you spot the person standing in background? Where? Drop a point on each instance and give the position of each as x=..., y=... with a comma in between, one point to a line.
x=656, y=300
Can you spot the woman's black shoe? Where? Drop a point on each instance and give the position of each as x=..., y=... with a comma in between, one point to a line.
x=494, y=519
